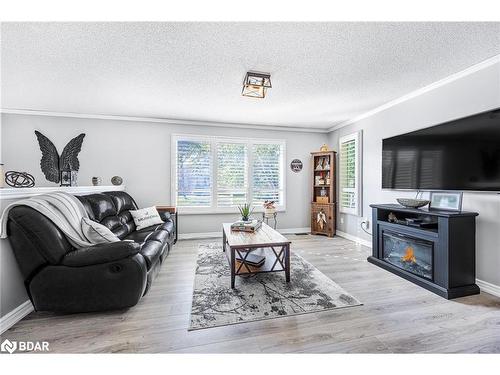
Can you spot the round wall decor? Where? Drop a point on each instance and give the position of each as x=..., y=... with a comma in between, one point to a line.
x=296, y=165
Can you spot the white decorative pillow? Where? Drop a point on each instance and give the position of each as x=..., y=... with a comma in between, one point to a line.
x=146, y=217
x=97, y=233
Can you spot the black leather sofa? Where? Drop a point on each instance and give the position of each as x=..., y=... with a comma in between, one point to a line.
x=60, y=278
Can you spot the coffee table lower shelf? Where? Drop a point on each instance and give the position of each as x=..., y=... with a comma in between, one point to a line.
x=277, y=258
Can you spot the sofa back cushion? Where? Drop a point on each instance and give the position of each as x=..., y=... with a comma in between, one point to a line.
x=35, y=240
x=111, y=209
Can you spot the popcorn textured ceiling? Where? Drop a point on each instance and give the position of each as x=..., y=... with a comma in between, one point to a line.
x=322, y=73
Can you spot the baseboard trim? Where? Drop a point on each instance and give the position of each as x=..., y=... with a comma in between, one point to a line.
x=294, y=230
x=198, y=236
x=15, y=315
x=488, y=287
x=359, y=240
x=204, y=235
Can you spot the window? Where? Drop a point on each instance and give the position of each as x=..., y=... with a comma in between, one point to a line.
x=216, y=174
x=349, y=174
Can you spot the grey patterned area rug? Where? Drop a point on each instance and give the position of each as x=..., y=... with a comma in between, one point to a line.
x=262, y=296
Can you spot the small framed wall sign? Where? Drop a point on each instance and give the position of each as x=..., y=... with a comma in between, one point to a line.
x=446, y=200
x=296, y=165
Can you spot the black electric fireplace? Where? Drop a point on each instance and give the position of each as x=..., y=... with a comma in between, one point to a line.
x=408, y=253
x=433, y=249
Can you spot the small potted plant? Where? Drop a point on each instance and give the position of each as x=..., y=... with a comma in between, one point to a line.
x=245, y=211
x=269, y=208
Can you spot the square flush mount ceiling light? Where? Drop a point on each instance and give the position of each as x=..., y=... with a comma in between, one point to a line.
x=256, y=84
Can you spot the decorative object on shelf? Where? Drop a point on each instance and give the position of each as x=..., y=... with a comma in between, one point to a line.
x=96, y=181
x=116, y=180
x=319, y=166
x=296, y=165
x=245, y=211
x=69, y=178
x=19, y=179
x=53, y=165
x=412, y=203
x=1, y=176
x=323, y=196
x=324, y=148
x=256, y=84
x=321, y=219
x=322, y=200
x=328, y=178
x=392, y=218
x=446, y=200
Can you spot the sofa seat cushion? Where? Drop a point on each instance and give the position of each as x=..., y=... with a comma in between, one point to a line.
x=140, y=236
x=152, y=251
x=153, y=241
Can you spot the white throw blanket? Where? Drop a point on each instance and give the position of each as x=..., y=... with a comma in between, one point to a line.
x=63, y=209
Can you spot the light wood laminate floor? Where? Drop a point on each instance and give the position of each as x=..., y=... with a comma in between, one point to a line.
x=397, y=316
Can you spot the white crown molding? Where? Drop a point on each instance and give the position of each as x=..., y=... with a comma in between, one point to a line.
x=14, y=316
x=32, y=112
x=472, y=69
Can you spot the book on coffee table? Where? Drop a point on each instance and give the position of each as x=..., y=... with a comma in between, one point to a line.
x=252, y=259
x=244, y=226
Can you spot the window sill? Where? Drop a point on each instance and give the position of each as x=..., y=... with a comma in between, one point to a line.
x=220, y=211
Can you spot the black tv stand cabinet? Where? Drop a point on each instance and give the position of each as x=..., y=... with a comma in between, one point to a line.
x=439, y=256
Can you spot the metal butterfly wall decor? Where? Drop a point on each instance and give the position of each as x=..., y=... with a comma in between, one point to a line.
x=52, y=164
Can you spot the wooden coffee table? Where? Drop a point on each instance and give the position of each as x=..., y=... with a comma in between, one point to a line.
x=265, y=241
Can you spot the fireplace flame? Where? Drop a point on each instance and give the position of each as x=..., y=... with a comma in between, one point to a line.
x=409, y=256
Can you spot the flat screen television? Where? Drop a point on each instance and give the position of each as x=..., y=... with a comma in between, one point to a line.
x=463, y=154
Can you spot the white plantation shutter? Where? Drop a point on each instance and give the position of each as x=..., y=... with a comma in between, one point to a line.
x=349, y=174
x=267, y=173
x=194, y=173
x=216, y=174
x=232, y=168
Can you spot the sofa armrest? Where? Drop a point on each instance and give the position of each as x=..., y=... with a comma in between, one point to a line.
x=101, y=253
x=166, y=212
x=165, y=216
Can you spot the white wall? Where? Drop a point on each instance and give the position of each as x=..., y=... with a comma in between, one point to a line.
x=470, y=94
x=140, y=153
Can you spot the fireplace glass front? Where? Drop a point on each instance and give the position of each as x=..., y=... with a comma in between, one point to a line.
x=411, y=254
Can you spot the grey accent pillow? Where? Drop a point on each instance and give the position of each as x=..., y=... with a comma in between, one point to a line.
x=146, y=217
x=97, y=233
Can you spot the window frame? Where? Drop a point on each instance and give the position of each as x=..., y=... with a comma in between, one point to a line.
x=213, y=209
x=358, y=191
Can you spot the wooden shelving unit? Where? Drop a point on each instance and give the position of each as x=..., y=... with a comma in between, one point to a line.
x=323, y=198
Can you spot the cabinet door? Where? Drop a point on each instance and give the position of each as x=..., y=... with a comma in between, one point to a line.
x=322, y=211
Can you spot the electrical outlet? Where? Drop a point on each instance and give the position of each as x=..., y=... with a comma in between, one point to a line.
x=367, y=223
x=341, y=220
